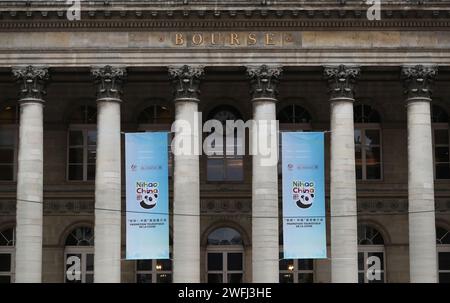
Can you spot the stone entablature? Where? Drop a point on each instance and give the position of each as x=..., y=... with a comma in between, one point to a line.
x=140, y=48
x=213, y=14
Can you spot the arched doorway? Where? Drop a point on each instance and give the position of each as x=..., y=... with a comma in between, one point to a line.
x=225, y=256
x=443, y=250
x=7, y=253
x=79, y=256
x=371, y=253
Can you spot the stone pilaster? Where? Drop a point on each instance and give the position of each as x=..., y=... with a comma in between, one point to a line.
x=265, y=250
x=32, y=80
x=186, y=180
x=418, y=82
x=109, y=80
x=343, y=208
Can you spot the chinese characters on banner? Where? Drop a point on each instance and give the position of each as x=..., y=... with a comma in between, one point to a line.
x=147, y=196
x=304, y=222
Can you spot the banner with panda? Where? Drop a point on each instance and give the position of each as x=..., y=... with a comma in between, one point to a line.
x=304, y=232
x=147, y=195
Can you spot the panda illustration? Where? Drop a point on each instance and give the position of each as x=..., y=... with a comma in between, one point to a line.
x=149, y=201
x=305, y=200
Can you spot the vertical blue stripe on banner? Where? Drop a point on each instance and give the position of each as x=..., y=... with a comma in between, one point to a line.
x=304, y=221
x=147, y=195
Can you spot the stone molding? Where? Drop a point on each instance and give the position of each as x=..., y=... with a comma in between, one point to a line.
x=225, y=206
x=35, y=14
x=144, y=25
x=232, y=206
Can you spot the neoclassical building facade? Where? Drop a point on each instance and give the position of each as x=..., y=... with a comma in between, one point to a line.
x=71, y=85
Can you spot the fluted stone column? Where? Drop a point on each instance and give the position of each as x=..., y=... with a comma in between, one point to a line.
x=265, y=250
x=422, y=229
x=186, y=179
x=344, y=247
x=107, y=256
x=29, y=219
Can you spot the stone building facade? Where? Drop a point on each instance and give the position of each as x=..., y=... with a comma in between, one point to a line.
x=378, y=88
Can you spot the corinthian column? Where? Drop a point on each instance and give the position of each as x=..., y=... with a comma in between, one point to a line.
x=186, y=179
x=109, y=82
x=344, y=247
x=30, y=174
x=265, y=251
x=422, y=230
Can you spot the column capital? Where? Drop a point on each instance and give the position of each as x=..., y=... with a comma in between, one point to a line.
x=186, y=81
x=418, y=81
x=341, y=81
x=109, y=80
x=264, y=80
x=32, y=80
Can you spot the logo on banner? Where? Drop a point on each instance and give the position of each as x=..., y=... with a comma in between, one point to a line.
x=303, y=193
x=147, y=194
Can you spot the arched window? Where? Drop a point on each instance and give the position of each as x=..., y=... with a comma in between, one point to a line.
x=7, y=254
x=9, y=119
x=81, y=236
x=225, y=256
x=365, y=114
x=156, y=114
x=371, y=255
x=79, y=256
x=82, y=144
x=84, y=114
x=9, y=114
x=224, y=236
x=228, y=163
x=294, y=114
x=443, y=250
x=368, y=156
x=155, y=271
x=441, y=138
x=438, y=114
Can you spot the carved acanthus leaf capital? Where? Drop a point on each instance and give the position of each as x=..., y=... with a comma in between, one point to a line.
x=186, y=81
x=341, y=80
x=32, y=81
x=418, y=80
x=264, y=80
x=109, y=80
